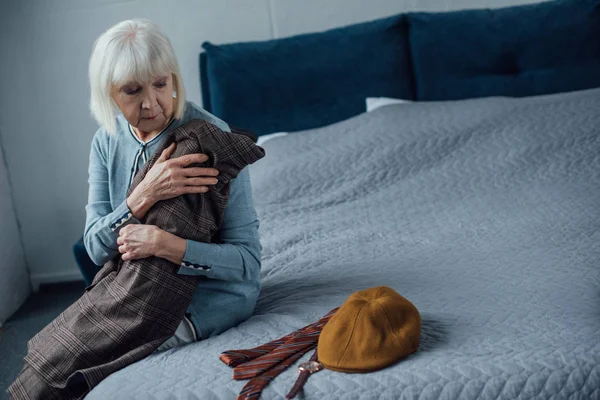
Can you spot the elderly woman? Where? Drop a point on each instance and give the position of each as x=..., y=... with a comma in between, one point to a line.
x=133, y=68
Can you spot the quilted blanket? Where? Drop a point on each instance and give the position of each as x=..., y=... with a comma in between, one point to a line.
x=484, y=213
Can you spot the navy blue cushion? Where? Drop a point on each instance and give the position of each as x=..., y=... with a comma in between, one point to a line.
x=204, y=86
x=542, y=48
x=309, y=80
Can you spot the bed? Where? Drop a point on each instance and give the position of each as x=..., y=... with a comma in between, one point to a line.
x=481, y=210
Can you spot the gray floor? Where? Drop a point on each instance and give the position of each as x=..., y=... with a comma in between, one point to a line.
x=39, y=310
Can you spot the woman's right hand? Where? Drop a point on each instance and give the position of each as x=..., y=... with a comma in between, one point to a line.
x=170, y=178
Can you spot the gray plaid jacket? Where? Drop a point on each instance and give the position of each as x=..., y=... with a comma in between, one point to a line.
x=132, y=307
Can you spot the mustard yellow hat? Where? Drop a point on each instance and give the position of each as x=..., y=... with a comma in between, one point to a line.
x=373, y=329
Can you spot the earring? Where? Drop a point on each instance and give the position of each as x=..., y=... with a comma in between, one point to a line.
x=174, y=94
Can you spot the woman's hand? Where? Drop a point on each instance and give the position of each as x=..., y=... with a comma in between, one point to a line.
x=138, y=241
x=170, y=178
x=141, y=241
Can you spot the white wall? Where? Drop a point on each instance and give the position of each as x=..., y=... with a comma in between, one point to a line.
x=14, y=278
x=45, y=45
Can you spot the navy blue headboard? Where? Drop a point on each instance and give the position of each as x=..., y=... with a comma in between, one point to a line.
x=316, y=79
x=307, y=80
x=528, y=50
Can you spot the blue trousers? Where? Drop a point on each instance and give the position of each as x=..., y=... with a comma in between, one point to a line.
x=86, y=265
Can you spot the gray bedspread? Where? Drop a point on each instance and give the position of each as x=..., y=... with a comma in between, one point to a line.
x=484, y=213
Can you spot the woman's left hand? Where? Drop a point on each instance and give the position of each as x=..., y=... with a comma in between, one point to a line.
x=138, y=241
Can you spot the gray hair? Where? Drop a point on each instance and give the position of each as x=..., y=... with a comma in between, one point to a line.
x=133, y=50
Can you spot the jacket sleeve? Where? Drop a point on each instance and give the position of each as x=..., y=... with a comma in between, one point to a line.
x=238, y=257
x=102, y=222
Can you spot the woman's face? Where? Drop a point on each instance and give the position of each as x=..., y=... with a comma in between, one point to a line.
x=147, y=106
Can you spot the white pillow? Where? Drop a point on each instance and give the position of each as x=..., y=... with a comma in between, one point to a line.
x=263, y=138
x=374, y=103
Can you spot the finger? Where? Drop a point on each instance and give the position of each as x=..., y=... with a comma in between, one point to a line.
x=171, y=149
x=130, y=255
x=120, y=240
x=122, y=249
x=190, y=190
x=200, y=172
x=193, y=189
x=164, y=156
x=191, y=158
x=201, y=181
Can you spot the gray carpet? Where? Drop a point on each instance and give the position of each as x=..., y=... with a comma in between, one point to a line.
x=39, y=310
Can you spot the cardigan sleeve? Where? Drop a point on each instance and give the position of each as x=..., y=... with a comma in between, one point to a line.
x=102, y=223
x=238, y=256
